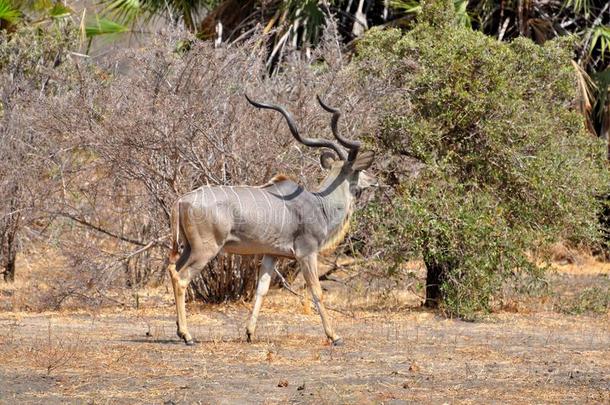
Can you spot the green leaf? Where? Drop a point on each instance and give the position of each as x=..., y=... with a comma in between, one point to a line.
x=104, y=26
x=602, y=81
x=461, y=13
x=601, y=38
x=406, y=6
x=579, y=6
x=60, y=11
x=8, y=13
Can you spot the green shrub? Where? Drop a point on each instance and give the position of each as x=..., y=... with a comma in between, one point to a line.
x=507, y=163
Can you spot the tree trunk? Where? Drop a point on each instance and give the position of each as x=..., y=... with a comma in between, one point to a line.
x=9, y=267
x=433, y=282
x=435, y=277
x=8, y=246
x=523, y=9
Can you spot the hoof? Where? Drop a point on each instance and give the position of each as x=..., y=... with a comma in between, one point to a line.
x=189, y=342
x=180, y=334
x=338, y=342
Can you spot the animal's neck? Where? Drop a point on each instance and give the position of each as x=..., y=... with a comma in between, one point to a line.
x=335, y=201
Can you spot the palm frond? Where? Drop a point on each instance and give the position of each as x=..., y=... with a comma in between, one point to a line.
x=9, y=13
x=461, y=13
x=104, y=26
x=406, y=6
x=586, y=95
x=579, y=6
x=600, y=39
x=125, y=11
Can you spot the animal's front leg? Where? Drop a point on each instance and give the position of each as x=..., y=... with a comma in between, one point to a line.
x=309, y=267
x=264, y=280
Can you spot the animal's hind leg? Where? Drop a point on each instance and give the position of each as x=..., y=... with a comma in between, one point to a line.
x=309, y=267
x=189, y=265
x=264, y=280
x=175, y=278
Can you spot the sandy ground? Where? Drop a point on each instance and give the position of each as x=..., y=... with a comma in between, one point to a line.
x=534, y=351
x=133, y=356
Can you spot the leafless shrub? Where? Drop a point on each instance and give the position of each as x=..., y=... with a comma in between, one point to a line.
x=27, y=65
x=52, y=354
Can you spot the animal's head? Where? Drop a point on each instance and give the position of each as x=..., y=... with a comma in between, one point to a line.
x=347, y=162
x=354, y=171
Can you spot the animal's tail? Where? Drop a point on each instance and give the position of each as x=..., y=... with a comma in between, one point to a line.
x=174, y=254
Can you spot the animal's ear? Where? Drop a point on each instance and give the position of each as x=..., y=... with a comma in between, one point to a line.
x=326, y=159
x=363, y=160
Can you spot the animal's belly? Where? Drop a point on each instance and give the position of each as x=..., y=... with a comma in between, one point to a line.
x=251, y=248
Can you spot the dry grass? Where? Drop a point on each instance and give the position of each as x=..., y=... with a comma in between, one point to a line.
x=394, y=351
x=134, y=357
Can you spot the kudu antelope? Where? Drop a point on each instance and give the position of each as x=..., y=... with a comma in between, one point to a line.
x=278, y=219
